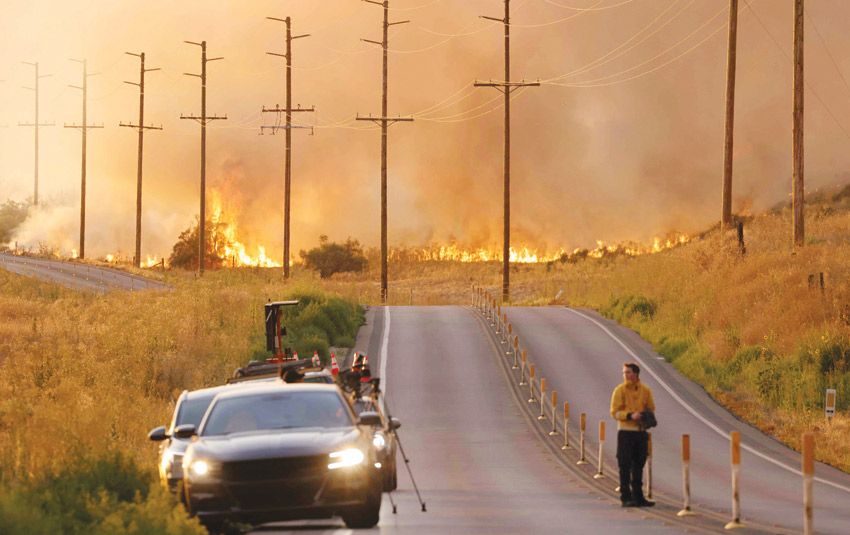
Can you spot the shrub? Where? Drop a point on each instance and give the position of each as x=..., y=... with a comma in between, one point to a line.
x=184, y=254
x=672, y=348
x=330, y=257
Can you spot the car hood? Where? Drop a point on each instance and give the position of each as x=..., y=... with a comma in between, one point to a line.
x=278, y=443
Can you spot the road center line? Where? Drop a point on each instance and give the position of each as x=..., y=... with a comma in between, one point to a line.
x=694, y=412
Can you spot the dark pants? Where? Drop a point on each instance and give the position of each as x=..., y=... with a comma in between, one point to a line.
x=631, y=456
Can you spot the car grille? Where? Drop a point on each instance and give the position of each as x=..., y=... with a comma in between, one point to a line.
x=275, y=469
x=276, y=483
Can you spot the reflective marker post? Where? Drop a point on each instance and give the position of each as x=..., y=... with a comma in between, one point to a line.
x=582, y=421
x=686, y=477
x=735, y=437
x=554, y=430
x=566, y=445
x=522, y=371
x=829, y=406
x=516, y=351
x=542, y=415
x=531, y=384
x=808, y=478
x=599, y=474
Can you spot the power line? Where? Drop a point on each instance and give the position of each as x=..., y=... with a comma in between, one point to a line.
x=385, y=121
x=203, y=119
x=141, y=127
x=288, y=111
x=84, y=128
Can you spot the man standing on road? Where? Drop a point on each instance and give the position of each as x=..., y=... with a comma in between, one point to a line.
x=629, y=400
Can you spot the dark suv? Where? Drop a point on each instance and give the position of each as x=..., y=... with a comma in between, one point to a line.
x=266, y=453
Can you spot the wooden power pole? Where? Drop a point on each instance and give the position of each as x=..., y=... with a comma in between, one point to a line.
x=84, y=128
x=384, y=121
x=35, y=124
x=726, y=215
x=507, y=87
x=137, y=258
x=798, y=191
x=203, y=119
x=288, y=110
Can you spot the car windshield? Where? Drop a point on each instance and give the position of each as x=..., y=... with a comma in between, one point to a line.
x=363, y=405
x=278, y=410
x=192, y=410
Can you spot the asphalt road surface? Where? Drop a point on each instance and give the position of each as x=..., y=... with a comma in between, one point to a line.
x=77, y=276
x=581, y=356
x=478, y=467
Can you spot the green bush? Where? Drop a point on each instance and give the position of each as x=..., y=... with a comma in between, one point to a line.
x=630, y=306
x=330, y=257
x=105, y=495
x=672, y=348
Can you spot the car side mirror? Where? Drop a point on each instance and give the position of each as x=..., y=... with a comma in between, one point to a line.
x=369, y=418
x=395, y=423
x=158, y=434
x=185, y=431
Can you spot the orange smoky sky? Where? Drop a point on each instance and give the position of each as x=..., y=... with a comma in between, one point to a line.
x=622, y=141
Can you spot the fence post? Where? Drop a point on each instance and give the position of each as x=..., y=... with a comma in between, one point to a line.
x=686, y=477
x=808, y=478
x=735, y=437
x=554, y=430
x=582, y=421
x=599, y=474
x=566, y=445
x=531, y=384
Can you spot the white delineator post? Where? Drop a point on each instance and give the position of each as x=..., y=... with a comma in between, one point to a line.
x=554, y=430
x=582, y=422
x=542, y=415
x=686, y=477
x=735, y=437
x=599, y=474
x=566, y=445
x=808, y=479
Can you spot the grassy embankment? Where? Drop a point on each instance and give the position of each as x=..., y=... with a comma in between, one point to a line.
x=83, y=378
x=748, y=328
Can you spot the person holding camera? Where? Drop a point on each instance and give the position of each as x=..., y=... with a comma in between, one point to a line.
x=634, y=409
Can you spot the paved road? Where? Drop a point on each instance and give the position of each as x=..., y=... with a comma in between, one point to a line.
x=78, y=276
x=477, y=466
x=581, y=356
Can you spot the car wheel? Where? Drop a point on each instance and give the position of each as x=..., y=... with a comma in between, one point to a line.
x=367, y=515
x=391, y=477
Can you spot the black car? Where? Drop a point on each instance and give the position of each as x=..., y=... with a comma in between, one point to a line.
x=266, y=453
x=383, y=439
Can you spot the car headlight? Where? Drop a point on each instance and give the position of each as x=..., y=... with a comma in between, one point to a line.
x=379, y=441
x=346, y=457
x=200, y=468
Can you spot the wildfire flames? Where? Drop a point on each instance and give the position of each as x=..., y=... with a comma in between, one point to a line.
x=233, y=252
x=529, y=255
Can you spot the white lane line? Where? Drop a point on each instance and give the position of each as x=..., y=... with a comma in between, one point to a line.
x=385, y=339
x=697, y=414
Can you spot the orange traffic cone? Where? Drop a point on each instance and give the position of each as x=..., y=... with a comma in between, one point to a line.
x=295, y=355
x=316, y=361
x=334, y=365
x=365, y=372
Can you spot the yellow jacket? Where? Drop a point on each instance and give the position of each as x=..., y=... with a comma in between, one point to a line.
x=628, y=398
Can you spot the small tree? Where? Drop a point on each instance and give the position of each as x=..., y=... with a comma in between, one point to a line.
x=185, y=252
x=330, y=257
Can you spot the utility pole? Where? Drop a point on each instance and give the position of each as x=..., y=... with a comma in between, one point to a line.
x=797, y=186
x=203, y=120
x=288, y=110
x=731, y=56
x=84, y=127
x=137, y=258
x=507, y=87
x=384, y=121
x=35, y=124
